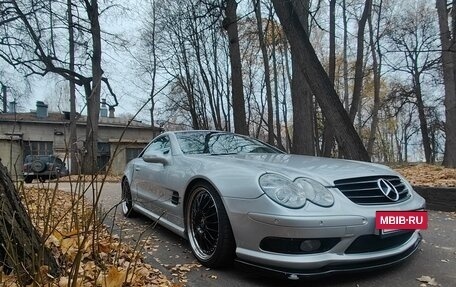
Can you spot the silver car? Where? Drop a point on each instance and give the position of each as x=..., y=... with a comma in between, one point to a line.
x=236, y=198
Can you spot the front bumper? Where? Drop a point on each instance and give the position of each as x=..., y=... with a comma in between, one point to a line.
x=345, y=222
x=331, y=269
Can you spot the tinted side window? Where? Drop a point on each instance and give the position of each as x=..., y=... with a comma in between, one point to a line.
x=161, y=144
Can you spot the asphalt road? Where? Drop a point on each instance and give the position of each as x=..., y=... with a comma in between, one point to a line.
x=436, y=257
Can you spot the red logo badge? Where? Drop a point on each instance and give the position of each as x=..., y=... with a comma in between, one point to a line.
x=399, y=220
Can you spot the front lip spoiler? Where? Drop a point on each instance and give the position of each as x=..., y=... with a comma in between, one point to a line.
x=337, y=269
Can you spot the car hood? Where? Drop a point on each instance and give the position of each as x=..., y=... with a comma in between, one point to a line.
x=325, y=170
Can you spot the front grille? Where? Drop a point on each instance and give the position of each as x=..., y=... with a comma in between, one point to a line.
x=373, y=243
x=365, y=190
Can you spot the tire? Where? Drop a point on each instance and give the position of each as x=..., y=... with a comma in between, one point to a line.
x=208, y=228
x=38, y=166
x=127, y=202
x=28, y=179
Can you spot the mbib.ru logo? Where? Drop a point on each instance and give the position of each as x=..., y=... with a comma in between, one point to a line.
x=400, y=220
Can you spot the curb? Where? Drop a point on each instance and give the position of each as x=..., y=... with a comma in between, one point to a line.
x=438, y=198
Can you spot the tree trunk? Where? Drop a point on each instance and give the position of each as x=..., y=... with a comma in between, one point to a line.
x=349, y=141
x=328, y=133
x=359, y=66
x=332, y=41
x=376, y=67
x=302, y=98
x=422, y=117
x=267, y=74
x=231, y=26
x=154, y=67
x=74, y=163
x=276, y=91
x=93, y=92
x=21, y=248
x=344, y=16
x=448, y=41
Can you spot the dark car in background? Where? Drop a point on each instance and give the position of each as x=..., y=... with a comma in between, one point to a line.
x=43, y=167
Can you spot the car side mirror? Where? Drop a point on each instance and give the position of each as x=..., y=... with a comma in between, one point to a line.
x=155, y=158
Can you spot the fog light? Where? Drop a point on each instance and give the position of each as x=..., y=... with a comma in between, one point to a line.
x=310, y=245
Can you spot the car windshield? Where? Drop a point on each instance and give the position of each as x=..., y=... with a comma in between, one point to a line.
x=217, y=143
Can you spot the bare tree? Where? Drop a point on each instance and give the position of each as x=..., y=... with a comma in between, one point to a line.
x=415, y=36
x=345, y=56
x=400, y=111
x=74, y=163
x=359, y=66
x=376, y=68
x=346, y=136
x=30, y=44
x=448, y=42
x=230, y=25
x=265, y=56
x=328, y=133
x=194, y=55
x=147, y=60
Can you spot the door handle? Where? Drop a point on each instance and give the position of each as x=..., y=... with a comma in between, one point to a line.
x=137, y=169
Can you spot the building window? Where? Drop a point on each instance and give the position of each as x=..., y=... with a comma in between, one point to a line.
x=132, y=153
x=38, y=148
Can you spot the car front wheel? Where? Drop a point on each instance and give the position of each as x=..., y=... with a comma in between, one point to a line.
x=127, y=202
x=208, y=227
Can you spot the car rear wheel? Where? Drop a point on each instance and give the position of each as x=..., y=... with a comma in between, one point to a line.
x=127, y=202
x=208, y=227
x=28, y=179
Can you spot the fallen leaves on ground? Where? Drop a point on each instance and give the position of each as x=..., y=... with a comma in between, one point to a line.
x=75, y=236
x=429, y=175
x=90, y=178
x=427, y=280
x=180, y=270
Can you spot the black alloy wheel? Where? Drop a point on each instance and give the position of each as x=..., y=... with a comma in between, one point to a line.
x=127, y=202
x=208, y=227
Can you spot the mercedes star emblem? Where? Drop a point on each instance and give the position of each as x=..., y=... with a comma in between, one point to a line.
x=388, y=189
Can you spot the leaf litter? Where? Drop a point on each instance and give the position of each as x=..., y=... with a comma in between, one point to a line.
x=105, y=259
x=428, y=175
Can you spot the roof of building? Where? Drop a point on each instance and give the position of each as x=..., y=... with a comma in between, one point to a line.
x=63, y=117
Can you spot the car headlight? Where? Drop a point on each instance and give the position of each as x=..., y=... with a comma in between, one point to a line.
x=315, y=192
x=282, y=190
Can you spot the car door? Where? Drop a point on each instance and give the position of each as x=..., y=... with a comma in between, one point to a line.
x=150, y=178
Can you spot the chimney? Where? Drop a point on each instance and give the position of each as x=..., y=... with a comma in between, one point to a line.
x=103, y=109
x=111, y=112
x=41, y=110
x=12, y=107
